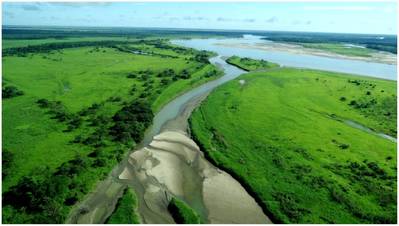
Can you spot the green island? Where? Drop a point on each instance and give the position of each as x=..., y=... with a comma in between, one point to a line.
x=72, y=109
x=183, y=213
x=249, y=64
x=288, y=136
x=125, y=211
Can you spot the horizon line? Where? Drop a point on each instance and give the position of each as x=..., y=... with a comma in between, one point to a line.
x=195, y=29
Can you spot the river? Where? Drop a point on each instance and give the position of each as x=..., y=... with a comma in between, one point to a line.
x=378, y=70
x=150, y=170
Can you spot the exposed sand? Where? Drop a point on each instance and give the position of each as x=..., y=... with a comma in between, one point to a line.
x=173, y=165
x=378, y=56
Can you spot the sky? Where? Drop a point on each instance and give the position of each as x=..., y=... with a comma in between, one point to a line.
x=339, y=17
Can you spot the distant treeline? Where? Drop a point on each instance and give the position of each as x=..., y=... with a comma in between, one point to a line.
x=10, y=32
x=378, y=42
x=47, y=47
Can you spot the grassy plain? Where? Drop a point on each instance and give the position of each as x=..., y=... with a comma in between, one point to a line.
x=12, y=43
x=92, y=84
x=249, y=64
x=278, y=134
x=125, y=212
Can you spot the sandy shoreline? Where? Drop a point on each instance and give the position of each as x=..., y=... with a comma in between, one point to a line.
x=173, y=165
x=376, y=57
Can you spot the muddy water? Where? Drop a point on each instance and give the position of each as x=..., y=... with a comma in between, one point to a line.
x=168, y=163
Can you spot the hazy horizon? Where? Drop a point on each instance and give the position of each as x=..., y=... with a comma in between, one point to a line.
x=323, y=17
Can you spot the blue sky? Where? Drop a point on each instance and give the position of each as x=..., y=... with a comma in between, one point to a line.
x=345, y=17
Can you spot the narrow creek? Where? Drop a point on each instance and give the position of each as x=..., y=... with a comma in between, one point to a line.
x=168, y=163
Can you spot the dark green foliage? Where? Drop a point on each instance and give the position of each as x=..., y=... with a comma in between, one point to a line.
x=184, y=74
x=202, y=57
x=183, y=213
x=7, y=158
x=125, y=209
x=289, y=205
x=43, y=103
x=114, y=99
x=131, y=121
x=41, y=194
x=11, y=91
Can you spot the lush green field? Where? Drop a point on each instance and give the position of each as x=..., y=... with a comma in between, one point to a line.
x=74, y=118
x=125, y=211
x=340, y=49
x=249, y=64
x=183, y=213
x=282, y=135
x=12, y=43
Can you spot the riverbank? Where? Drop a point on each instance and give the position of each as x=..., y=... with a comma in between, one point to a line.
x=299, y=164
x=374, y=56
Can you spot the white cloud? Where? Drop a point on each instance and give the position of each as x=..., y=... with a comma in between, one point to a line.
x=338, y=8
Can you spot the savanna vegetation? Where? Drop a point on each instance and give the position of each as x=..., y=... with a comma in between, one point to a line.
x=71, y=110
x=278, y=134
x=183, y=213
x=249, y=64
x=125, y=211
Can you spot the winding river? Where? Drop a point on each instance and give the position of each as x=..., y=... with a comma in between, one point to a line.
x=378, y=70
x=168, y=163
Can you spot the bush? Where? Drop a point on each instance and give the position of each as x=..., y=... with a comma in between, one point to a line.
x=43, y=103
x=11, y=91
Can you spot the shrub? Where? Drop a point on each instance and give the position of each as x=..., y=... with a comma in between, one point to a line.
x=11, y=91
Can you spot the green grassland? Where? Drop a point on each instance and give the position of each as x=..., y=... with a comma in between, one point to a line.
x=63, y=144
x=12, y=43
x=125, y=211
x=339, y=48
x=278, y=134
x=183, y=213
x=249, y=64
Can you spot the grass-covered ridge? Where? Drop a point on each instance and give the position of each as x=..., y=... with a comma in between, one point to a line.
x=82, y=108
x=249, y=64
x=277, y=133
x=183, y=213
x=125, y=210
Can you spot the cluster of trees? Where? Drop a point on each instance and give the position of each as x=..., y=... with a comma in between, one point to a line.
x=202, y=57
x=11, y=91
x=60, y=113
x=131, y=121
x=44, y=196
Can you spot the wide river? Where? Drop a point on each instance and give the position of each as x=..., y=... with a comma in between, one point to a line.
x=379, y=70
x=100, y=203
